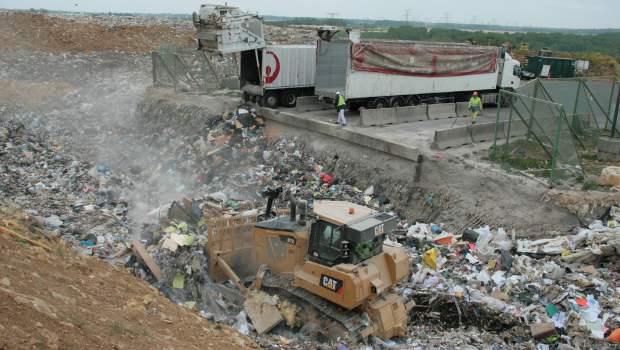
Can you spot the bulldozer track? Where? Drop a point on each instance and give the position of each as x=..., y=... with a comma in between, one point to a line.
x=353, y=321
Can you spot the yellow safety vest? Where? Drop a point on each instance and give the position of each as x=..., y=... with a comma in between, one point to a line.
x=341, y=101
x=475, y=102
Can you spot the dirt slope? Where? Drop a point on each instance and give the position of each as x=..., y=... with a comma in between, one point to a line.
x=59, y=300
x=30, y=31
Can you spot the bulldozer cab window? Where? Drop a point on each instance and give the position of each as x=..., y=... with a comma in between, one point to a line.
x=326, y=243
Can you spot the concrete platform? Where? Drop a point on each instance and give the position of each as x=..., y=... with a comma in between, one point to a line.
x=407, y=140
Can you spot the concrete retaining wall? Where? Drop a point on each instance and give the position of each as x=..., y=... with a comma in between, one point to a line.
x=450, y=138
x=461, y=109
x=465, y=135
x=486, y=132
x=383, y=116
x=441, y=111
x=412, y=114
x=375, y=143
x=374, y=117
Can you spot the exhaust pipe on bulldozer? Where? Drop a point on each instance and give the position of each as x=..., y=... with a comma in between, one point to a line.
x=302, y=205
x=293, y=206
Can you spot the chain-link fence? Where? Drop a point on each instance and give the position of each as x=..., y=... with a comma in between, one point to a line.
x=553, y=124
x=190, y=70
x=536, y=137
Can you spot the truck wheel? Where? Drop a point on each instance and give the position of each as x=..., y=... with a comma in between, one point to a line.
x=397, y=102
x=413, y=101
x=289, y=98
x=271, y=99
x=378, y=103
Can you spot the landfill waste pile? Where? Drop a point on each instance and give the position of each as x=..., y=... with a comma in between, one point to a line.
x=80, y=202
x=76, y=33
x=141, y=193
x=550, y=293
x=178, y=22
x=292, y=35
x=486, y=285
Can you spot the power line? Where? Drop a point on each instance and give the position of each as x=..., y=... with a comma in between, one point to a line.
x=407, y=12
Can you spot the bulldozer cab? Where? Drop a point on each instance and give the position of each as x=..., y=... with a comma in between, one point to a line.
x=346, y=233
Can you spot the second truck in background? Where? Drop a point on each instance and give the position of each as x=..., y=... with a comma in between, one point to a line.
x=276, y=75
x=380, y=74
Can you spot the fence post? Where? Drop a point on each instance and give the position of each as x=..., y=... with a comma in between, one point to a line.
x=533, y=109
x=499, y=107
x=556, y=142
x=509, y=121
x=611, y=100
x=573, y=119
x=615, y=121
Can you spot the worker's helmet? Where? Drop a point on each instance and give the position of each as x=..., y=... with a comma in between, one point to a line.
x=475, y=93
x=338, y=93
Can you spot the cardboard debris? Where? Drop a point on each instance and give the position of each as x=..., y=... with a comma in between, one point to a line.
x=262, y=310
x=542, y=330
x=552, y=246
x=175, y=240
x=146, y=258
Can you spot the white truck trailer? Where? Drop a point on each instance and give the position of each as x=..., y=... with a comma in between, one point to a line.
x=276, y=75
x=379, y=74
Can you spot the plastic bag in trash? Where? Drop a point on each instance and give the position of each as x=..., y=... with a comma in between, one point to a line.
x=241, y=323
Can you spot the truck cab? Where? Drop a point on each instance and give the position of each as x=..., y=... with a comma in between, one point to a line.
x=510, y=74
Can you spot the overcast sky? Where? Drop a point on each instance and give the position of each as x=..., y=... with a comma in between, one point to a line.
x=545, y=13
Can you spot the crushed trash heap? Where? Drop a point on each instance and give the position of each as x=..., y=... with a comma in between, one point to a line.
x=484, y=286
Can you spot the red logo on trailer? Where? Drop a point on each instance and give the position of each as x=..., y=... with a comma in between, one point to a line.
x=272, y=74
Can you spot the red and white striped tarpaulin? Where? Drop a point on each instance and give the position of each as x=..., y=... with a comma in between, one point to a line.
x=424, y=59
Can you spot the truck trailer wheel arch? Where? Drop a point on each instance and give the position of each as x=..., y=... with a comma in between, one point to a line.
x=413, y=100
x=378, y=103
x=288, y=98
x=271, y=99
x=397, y=101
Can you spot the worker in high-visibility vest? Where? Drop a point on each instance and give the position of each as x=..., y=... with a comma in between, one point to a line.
x=474, y=106
x=341, y=105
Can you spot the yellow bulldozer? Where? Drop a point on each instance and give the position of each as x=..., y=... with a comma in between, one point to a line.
x=331, y=256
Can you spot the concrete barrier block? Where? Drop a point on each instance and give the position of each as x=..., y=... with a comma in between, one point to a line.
x=441, y=111
x=486, y=132
x=461, y=109
x=450, y=138
x=374, y=117
x=411, y=114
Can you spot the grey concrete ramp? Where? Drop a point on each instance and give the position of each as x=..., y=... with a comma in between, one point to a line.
x=411, y=114
x=486, y=132
x=450, y=138
x=311, y=103
x=441, y=111
x=461, y=109
x=372, y=142
x=375, y=117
